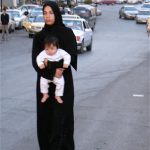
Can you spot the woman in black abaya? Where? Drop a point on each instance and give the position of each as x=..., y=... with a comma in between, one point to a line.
x=55, y=122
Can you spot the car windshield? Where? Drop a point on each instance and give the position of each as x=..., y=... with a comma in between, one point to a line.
x=37, y=9
x=130, y=9
x=35, y=13
x=146, y=6
x=14, y=13
x=31, y=7
x=73, y=24
x=144, y=13
x=39, y=19
x=82, y=12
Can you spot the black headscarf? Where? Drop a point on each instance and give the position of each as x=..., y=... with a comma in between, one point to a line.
x=56, y=10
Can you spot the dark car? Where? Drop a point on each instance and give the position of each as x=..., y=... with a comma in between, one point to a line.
x=87, y=12
x=128, y=12
x=108, y=2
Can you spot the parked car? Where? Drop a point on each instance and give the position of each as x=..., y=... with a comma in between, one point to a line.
x=134, y=1
x=147, y=1
x=128, y=12
x=36, y=26
x=145, y=6
x=82, y=31
x=121, y=1
x=142, y=16
x=35, y=12
x=108, y=2
x=71, y=16
x=98, y=12
x=27, y=8
x=11, y=25
x=87, y=12
x=27, y=23
x=17, y=16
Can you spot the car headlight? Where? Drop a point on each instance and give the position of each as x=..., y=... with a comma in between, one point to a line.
x=32, y=27
x=127, y=14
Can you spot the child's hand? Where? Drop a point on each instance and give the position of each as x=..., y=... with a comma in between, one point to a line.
x=45, y=62
x=65, y=66
x=42, y=66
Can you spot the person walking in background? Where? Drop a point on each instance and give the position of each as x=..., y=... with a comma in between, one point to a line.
x=55, y=121
x=5, y=22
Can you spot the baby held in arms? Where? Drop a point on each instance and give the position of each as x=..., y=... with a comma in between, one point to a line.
x=53, y=53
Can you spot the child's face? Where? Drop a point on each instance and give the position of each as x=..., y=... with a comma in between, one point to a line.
x=51, y=49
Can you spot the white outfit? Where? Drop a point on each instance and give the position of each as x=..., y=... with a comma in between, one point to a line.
x=59, y=82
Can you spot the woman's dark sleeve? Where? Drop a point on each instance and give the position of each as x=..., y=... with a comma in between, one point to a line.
x=71, y=48
x=36, y=49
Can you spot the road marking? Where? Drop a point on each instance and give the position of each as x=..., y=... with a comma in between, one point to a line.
x=138, y=95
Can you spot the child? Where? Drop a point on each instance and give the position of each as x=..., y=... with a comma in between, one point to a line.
x=52, y=52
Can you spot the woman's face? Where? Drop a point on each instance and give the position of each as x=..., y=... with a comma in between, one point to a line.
x=49, y=16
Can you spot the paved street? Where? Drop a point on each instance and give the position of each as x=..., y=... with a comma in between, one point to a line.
x=111, y=89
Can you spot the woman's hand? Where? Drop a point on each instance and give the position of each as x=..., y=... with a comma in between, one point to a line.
x=59, y=72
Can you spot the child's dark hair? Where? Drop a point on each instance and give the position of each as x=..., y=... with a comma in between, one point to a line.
x=51, y=40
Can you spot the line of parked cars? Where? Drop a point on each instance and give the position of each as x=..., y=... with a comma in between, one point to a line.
x=112, y=2
x=81, y=19
x=139, y=15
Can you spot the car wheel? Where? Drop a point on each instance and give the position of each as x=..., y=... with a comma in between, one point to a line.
x=10, y=29
x=124, y=17
x=82, y=47
x=30, y=35
x=89, y=48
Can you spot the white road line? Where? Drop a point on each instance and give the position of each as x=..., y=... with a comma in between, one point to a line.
x=138, y=95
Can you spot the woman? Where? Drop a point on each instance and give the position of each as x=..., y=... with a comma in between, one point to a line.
x=55, y=122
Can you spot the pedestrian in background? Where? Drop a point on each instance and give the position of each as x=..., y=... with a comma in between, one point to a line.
x=5, y=22
x=55, y=121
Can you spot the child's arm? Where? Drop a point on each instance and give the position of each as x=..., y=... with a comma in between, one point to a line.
x=67, y=59
x=40, y=61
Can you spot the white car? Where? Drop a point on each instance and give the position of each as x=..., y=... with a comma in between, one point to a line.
x=145, y=6
x=142, y=16
x=17, y=16
x=36, y=26
x=82, y=31
x=27, y=8
x=71, y=16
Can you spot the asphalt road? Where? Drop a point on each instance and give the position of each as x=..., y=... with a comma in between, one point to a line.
x=111, y=89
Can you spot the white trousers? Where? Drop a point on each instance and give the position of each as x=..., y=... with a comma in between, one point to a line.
x=59, y=82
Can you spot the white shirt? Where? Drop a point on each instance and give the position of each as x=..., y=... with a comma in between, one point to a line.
x=60, y=54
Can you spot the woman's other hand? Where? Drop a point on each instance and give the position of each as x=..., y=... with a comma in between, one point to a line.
x=59, y=72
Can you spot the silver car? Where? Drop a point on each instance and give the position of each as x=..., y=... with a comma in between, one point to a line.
x=128, y=12
x=82, y=31
x=142, y=16
x=17, y=16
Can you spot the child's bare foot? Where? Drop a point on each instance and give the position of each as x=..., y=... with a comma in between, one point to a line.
x=59, y=100
x=45, y=97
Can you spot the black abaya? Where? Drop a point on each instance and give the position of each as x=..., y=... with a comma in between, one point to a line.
x=55, y=122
